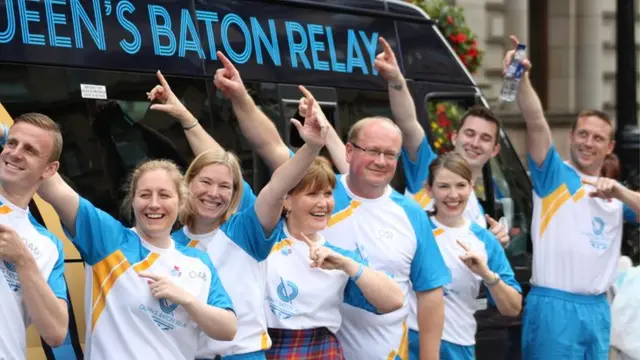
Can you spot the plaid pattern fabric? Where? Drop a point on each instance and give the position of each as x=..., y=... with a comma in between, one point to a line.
x=310, y=344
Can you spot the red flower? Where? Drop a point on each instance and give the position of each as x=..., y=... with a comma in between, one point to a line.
x=443, y=121
x=473, y=52
x=450, y=20
x=462, y=38
x=453, y=38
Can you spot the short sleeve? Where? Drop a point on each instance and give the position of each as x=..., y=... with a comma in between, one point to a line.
x=56, y=278
x=245, y=230
x=630, y=216
x=416, y=172
x=218, y=296
x=5, y=135
x=497, y=261
x=352, y=293
x=552, y=174
x=248, y=196
x=98, y=234
x=428, y=269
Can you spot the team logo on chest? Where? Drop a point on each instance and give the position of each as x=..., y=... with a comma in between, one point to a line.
x=283, y=306
x=11, y=275
x=597, y=237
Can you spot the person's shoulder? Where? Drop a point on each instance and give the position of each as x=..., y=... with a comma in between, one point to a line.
x=410, y=206
x=44, y=232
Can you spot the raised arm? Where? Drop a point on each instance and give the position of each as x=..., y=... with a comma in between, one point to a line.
x=254, y=124
x=539, y=139
x=606, y=188
x=64, y=200
x=270, y=200
x=336, y=147
x=199, y=140
x=402, y=105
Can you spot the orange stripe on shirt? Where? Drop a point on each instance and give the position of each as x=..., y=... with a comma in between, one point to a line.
x=422, y=198
x=550, y=205
x=280, y=245
x=4, y=209
x=193, y=243
x=345, y=213
x=265, y=340
x=105, y=274
x=403, y=349
x=146, y=263
x=438, y=232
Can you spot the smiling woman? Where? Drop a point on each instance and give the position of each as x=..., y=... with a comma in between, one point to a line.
x=140, y=269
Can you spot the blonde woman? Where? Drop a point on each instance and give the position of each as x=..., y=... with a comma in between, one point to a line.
x=151, y=296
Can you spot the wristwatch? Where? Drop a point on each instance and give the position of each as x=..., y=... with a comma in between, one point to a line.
x=494, y=281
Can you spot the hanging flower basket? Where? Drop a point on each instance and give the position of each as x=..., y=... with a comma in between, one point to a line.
x=444, y=116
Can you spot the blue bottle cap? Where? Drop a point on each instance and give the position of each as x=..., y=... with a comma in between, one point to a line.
x=522, y=46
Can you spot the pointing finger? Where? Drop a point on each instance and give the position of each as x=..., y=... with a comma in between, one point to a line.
x=514, y=40
x=162, y=80
x=490, y=220
x=385, y=46
x=463, y=246
x=306, y=240
x=305, y=91
x=228, y=65
x=148, y=275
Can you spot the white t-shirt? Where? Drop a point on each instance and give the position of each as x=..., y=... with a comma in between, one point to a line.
x=48, y=253
x=459, y=296
x=576, y=238
x=393, y=235
x=301, y=297
x=237, y=250
x=123, y=311
x=416, y=174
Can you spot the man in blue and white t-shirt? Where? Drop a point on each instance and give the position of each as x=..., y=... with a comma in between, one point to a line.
x=576, y=232
x=32, y=286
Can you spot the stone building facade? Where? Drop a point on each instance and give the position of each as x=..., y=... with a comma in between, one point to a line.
x=572, y=45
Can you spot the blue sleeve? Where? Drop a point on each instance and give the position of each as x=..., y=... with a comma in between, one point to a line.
x=352, y=293
x=245, y=230
x=499, y=264
x=417, y=172
x=248, y=196
x=56, y=278
x=552, y=174
x=428, y=269
x=98, y=234
x=5, y=135
x=630, y=216
x=218, y=296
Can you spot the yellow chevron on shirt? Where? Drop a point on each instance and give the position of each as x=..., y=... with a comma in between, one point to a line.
x=344, y=214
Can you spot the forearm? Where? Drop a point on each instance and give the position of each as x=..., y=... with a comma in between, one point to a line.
x=430, y=323
x=404, y=113
x=378, y=288
x=285, y=178
x=631, y=199
x=260, y=132
x=63, y=198
x=508, y=300
x=218, y=324
x=539, y=138
x=48, y=313
x=337, y=151
x=198, y=138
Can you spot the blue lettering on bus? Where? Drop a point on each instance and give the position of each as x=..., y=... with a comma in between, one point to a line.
x=306, y=46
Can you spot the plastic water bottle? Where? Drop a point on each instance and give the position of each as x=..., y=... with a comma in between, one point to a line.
x=512, y=78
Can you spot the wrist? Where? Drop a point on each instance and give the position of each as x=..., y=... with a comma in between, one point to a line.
x=490, y=278
x=243, y=102
x=350, y=267
x=398, y=83
x=187, y=119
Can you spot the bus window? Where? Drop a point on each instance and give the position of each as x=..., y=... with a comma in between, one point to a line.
x=509, y=184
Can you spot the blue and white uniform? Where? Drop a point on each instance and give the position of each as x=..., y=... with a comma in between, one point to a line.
x=393, y=235
x=49, y=255
x=237, y=249
x=576, y=246
x=123, y=311
x=299, y=297
x=458, y=337
x=416, y=174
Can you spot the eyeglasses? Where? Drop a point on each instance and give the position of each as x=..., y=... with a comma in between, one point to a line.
x=389, y=156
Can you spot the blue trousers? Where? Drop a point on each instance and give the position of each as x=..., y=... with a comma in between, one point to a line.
x=448, y=351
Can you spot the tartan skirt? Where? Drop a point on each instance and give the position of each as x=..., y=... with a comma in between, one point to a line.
x=309, y=344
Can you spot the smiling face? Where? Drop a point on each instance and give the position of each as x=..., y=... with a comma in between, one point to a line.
x=26, y=157
x=211, y=192
x=476, y=141
x=450, y=193
x=590, y=142
x=310, y=208
x=156, y=202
